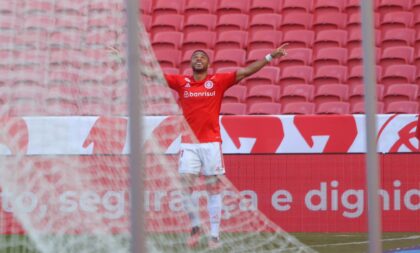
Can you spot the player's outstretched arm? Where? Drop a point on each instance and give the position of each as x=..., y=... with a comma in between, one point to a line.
x=257, y=65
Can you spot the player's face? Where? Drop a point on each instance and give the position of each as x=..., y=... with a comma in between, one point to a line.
x=199, y=62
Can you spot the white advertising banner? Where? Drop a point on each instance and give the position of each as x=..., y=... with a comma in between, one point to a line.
x=240, y=134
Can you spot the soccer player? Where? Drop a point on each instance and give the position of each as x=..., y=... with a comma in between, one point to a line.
x=200, y=99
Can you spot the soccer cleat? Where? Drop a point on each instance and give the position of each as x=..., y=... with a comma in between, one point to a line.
x=194, y=238
x=214, y=243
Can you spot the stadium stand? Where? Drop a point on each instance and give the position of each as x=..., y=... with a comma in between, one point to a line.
x=324, y=36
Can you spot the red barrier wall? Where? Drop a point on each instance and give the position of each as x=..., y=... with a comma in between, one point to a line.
x=325, y=193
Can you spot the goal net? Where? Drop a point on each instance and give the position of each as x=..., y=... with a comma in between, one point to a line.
x=64, y=175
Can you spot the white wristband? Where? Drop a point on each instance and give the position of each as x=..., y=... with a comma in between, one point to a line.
x=268, y=57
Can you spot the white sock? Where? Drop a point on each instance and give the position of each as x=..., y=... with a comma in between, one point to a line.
x=214, y=206
x=191, y=207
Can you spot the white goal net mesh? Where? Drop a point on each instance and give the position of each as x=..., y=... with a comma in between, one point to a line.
x=63, y=140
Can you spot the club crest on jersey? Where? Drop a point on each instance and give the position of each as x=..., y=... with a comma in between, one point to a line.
x=208, y=85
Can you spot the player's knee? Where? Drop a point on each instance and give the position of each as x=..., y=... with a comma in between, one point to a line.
x=213, y=184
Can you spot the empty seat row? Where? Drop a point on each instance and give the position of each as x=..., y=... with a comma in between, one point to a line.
x=307, y=108
x=263, y=6
x=272, y=21
x=323, y=93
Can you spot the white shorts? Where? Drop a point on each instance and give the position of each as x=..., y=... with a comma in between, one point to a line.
x=204, y=158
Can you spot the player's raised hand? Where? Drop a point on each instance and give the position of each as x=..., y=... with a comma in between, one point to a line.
x=280, y=51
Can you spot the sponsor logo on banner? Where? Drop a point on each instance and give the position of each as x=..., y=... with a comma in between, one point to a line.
x=107, y=135
x=14, y=135
x=398, y=134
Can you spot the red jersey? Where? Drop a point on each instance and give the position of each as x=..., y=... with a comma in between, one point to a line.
x=201, y=101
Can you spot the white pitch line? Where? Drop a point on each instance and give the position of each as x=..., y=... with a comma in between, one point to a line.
x=414, y=237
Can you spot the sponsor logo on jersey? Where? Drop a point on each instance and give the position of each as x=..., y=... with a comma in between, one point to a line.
x=188, y=94
x=188, y=85
x=208, y=85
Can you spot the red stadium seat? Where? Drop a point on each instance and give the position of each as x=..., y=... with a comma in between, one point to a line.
x=293, y=6
x=147, y=21
x=262, y=93
x=410, y=107
x=169, y=22
x=330, y=56
x=8, y=7
x=61, y=100
x=322, y=6
x=170, y=70
x=355, y=38
x=227, y=69
x=233, y=109
x=336, y=107
x=267, y=75
x=297, y=93
x=329, y=21
x=93, y=38
x=200, y=6
x=417, y=59
x=330, y=38
x=415, y=6
x=264, y=108
x=331, y=92
x=76, y=21
x=299, y=38
x=387, y=6
x=236, y=93
x=145, y=7
x=296, y=56
x=263, y=22
x=258, y=54
x=232, y=22
x=399, y=74
x=232, y=39
x=200, y=22
x=357, y=93
x=398, y=37
x=296, y=21
x=167, y=40
x=168, y=57
x=359, y=107
x=100, y=21
x=38, y=6
x=352, y=6
x=104, y=6
x=168, y=7
x=330, y=75
x=356, y=74
x=199, y=40
x=264, y=6
x=400, y=19
x=356, y=56
x=304, y=108
x=230, y=7
x=63, y=76
x=264, y=39
x=38, y=22
x=26, y=107
x=296, y=75
x=156, y=109
x=400, y=92
x=229, y=58
x=396, y=55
